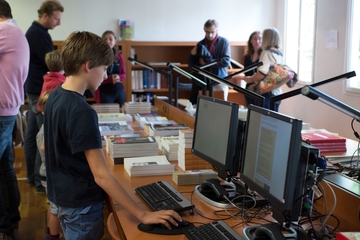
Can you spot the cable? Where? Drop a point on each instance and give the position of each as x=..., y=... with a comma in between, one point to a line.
x=328, y=214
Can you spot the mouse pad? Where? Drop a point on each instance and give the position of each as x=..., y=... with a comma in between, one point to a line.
x=160, y=229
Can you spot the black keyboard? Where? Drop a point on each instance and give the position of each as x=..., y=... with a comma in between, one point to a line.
x=162, y=196
x=217, y=230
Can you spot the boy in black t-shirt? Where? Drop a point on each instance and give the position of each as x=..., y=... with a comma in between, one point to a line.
x=77, y=172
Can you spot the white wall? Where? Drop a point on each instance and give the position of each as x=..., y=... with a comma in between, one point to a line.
x=155, y=20
x=331, y=14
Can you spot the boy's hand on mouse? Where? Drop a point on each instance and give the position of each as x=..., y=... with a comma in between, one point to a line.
x=163, y=217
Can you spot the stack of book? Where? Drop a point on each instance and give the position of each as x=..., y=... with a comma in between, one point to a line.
x=324, y=141
x=148, y=166
x=166, y=129
x=137, y=107
x=151, y=119
x=192, y=177
x=121, y=147
x=138, y=116
x=115, y=128
x=106, y=107
x=109, y=117
x=186, y=159
x=170, y=145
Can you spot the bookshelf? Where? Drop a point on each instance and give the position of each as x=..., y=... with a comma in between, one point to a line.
x=175, y=52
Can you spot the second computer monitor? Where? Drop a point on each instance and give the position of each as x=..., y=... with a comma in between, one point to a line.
x=271, y=157
x=215, y=133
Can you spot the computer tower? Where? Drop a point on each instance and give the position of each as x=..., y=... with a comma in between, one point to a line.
x=303, y=194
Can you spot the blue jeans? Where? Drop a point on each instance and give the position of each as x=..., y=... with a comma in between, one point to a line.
x=32, y=156
x=85, y=223
x=9, y=190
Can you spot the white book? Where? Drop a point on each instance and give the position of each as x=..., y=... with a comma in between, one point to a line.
x=148, y=166
x=116, y=116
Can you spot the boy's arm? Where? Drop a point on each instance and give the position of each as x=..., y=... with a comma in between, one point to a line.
x=107, y=181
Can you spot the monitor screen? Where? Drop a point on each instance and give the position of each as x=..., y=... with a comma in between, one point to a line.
x=271, y=156
x=215, y=133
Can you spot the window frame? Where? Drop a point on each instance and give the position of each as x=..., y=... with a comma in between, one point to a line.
x=349, y=47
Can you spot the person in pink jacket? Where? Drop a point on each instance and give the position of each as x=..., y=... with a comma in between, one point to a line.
x=112, y=89
x=14, y=67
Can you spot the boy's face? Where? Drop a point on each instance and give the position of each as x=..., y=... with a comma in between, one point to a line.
x=98, y=75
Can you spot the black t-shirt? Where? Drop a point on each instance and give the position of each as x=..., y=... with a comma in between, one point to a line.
x=70, y=128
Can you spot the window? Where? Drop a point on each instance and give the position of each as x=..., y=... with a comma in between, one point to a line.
x=299, y=37
x=353, y=49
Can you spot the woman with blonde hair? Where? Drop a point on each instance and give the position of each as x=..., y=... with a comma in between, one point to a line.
x=271, y=54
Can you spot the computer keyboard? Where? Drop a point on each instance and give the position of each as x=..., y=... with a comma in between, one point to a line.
x=162, y=196
x=217, y=230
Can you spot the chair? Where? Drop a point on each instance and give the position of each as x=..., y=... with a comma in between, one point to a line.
x=113, y=222
x=112, y=228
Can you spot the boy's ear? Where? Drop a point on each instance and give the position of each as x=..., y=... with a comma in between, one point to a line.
x=86, y=67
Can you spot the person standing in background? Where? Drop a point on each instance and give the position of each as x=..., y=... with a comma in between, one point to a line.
x=271, y=54
x=112, y=89
x=40, y=43
x=211, y=48
x=251, y=56
x=14, y=62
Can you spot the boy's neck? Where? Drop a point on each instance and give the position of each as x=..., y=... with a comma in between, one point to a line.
x=75, y=84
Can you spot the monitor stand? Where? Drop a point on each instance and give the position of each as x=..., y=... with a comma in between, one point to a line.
x=211, y=198
x=271, y=231
x=234, y=195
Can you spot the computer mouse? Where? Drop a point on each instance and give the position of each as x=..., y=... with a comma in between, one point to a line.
x=181, y=224
x=162, y=229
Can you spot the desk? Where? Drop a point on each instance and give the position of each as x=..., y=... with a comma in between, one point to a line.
x=129, y=222
x=348, y=208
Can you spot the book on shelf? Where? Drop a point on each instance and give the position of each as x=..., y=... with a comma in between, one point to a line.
x=114, y=128
x=147, y=79
x=167, y=129
x=148, y=166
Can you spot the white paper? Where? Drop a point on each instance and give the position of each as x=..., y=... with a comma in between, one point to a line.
x=331, y=39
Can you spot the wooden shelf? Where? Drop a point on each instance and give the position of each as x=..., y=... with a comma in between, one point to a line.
x=149, y=51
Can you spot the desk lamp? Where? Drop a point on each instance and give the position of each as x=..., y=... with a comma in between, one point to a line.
x=187, y=75
x=297, y=91
x=168, y=75
x=246, y=92
x=315, y=94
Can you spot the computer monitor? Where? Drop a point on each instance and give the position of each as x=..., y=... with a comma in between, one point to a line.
x=215, y=132
x=271, y=156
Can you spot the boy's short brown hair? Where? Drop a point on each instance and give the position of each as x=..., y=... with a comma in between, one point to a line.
x=49, y=7
x=43, y=99
x=82, y=47
x=53, y=61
